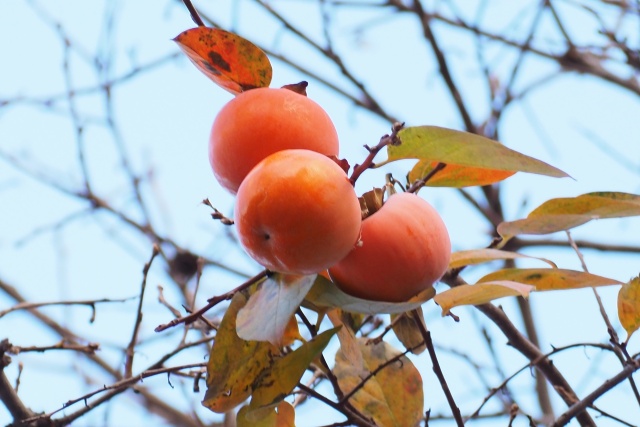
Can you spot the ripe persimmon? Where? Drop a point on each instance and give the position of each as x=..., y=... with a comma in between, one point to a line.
x=296, y=212
x=404, y=248
x=260, y=122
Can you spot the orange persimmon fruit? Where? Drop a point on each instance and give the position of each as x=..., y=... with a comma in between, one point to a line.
x=404, y=248
x=260, y=122
x=296, y=212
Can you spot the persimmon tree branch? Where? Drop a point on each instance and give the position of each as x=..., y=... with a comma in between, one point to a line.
x=8, y=395
x=522, y=344
x=579, y=406
x=153, y=403
x=531, y=364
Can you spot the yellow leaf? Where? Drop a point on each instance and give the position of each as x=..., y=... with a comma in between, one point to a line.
x=479, y=256
x=263, y=418
x=549, y=279
x=393, y=397
x=569, y=212
x=348, y=343
x=234, y=364
x=480, y=293
x=285, y=372
x=281, y=416
x=408, y=332
x=629, y=306
x=232, y=62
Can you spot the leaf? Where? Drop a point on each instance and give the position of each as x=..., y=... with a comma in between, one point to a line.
x=348, y=343
x=234, y=364
x=629, y=306
x=407, y=332
x=569, y=212
x=324, y=294
x=466, y=149
x=457, y=176
x=549, y=279
x=281, y=416
x=232, y=62
x=393, y=397
x=285, y=372
x=268, y=313
x=480, y=293
x=479, y=256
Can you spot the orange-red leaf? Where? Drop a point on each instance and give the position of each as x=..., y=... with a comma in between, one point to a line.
x=457, y=175
x=232, y=62
x=629, y=306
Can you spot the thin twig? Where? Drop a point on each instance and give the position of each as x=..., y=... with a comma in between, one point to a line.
x=90, y=303
x=212, y=302
x=194, y=13
x=128, y=365
x=391, y=139
x=426, y=336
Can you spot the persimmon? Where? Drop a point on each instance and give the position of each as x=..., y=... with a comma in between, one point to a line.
x=260, y=122
x=296, y=212
x=404, y=248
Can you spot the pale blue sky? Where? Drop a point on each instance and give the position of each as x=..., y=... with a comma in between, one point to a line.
x=164, y=117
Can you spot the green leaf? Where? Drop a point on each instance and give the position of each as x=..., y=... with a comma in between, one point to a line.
x=393, y=397
x=466, y=149
x=629, y=306
x=285, y=372
x=234, y=364
x=569, y=212
x=324, y=294
x=480, y=293
x=232, y=62
x=549, y=279
x=269, y=310
x=479, y=256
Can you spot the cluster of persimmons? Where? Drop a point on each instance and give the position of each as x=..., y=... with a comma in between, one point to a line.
x=297, y=211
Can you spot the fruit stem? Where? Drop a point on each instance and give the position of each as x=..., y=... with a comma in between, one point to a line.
x=421, y=182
